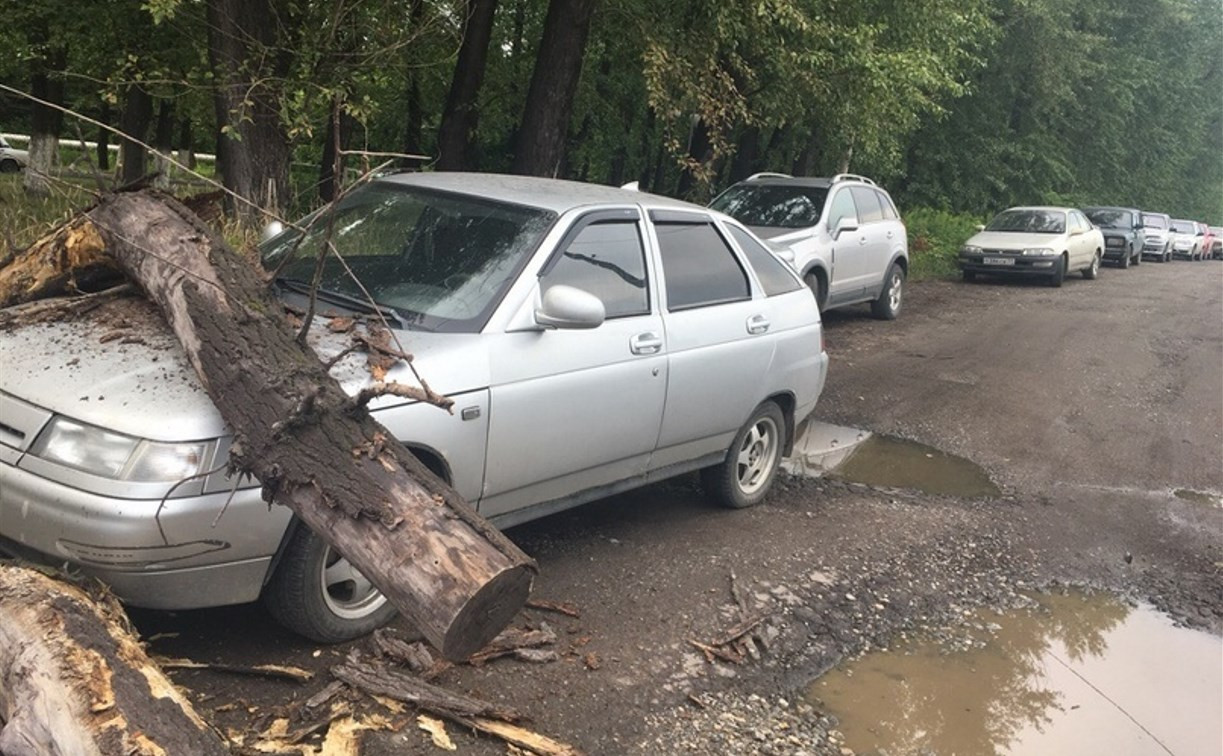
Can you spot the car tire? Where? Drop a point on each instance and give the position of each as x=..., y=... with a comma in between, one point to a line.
x=1092, y=272
x=1138, y=258
x=1059, y=273
x=744, y=478
x=1125, y=261
x=316, y=593
x=969, y=275
x=9, y=166
x=887, y=305
x=819, y=290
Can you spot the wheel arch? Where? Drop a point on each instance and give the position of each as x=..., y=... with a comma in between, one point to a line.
x=786, y=402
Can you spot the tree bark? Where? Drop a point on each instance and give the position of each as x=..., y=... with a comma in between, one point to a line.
x=74, y=682
x=414, y=122
x=163, y=140
x=457, y=578
x=457, y=134
x=134, y=122
x=252, y=146
x=103, y=138
x=554, y=84
x=46, y=83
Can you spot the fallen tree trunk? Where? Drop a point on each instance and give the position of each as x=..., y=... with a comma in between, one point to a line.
x=74, y=681
x=315, y=450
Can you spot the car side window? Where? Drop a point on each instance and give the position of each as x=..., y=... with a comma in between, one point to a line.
x=868, y=204
x=606, y=259
x=842, y=207
x=774, y=278
x=889, y=210
x=699, y=267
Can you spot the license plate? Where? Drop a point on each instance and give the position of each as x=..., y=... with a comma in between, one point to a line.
x=997, y=261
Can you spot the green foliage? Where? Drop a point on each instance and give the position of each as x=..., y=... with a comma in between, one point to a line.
x=935, y=238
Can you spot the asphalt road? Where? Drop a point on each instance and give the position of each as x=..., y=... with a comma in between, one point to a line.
x=1091, y=406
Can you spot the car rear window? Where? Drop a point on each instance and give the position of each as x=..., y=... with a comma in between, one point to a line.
x=774, y=277
x=699, y=267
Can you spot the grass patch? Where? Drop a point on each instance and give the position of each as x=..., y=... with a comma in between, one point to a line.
x=935, y=238
x=24, y=218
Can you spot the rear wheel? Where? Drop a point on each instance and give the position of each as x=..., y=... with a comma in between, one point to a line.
x=9, y=166
x=887, y=305
x=743, y=479
x=1093, y=270
x=319, y=594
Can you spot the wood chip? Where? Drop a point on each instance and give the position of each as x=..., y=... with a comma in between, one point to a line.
x=565, y=608
x=521, y=737
x=437, y=732
x=274, y=671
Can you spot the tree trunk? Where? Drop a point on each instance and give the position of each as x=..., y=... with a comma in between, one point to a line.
x=186, y=143
x=545, y=121
x=747, y=155
x=457, y=134
x=328, y=165
x=414, y=123
x=700, y=152
x=134, y=122
x=103, y=138
x=46, y=83
x=451, y=573
x=252, y=146
x=74, y=682
x=163, y=140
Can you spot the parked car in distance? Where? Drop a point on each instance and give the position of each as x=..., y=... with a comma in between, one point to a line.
x=12, y=159
x=1124, y=235
x=1216, y=244
x=1157, y=243
x=1044, y=241
x=593, y=340
x=1186, y=242
x=850, y=245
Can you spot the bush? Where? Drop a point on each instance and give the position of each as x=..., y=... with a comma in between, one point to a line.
x=935, y=238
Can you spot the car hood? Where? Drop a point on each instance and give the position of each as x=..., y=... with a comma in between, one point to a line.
x=781, y=235
x=120, y=368
x=1009, y=240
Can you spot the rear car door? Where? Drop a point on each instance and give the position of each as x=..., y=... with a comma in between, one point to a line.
x=877, y=249
x=718, y=339
x=576, y=410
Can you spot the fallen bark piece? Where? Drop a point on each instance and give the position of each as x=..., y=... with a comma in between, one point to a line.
x=560, y=607
x=713, y=652
x=437, y=732
x=536, y=655
x=274, y=671
x=74, y=681
x=375, y=678
x=512, y=640
x=455, y=577
x=739, y=630
x=521, y=737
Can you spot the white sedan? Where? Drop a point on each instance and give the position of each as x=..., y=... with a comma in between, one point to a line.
x=12, y=160
x=1044, y=241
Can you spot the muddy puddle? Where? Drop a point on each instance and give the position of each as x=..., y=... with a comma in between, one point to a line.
x=1076, y=675
x=894, y=462
x=1198, y=497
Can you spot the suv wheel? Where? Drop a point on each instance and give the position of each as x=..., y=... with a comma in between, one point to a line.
x=819, y=289
x=317, y=593
x=743, y=479
x=887, y=305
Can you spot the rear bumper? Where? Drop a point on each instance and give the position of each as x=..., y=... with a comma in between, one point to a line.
x=120, y=541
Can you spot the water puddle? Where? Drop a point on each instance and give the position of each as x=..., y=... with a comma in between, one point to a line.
x=1077, y=675
x=1198, y=497
x=884, y=461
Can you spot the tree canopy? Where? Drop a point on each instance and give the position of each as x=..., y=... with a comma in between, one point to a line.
x=961, y=105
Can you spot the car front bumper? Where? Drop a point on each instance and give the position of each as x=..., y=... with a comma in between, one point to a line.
x=1008, y=264
x=120, y=541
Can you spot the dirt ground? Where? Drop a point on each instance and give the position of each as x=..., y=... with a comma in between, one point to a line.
x=1097, y=408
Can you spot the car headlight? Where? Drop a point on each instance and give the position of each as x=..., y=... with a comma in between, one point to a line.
x=117, y=455
x=1039, y=252
x=969, y=249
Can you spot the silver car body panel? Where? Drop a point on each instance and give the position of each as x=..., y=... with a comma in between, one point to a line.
x=543, y=419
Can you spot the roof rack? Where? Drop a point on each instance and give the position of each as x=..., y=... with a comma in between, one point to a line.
x=852, y=177
x=767, y=174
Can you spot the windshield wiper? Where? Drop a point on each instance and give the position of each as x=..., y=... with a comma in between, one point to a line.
x=349, y=302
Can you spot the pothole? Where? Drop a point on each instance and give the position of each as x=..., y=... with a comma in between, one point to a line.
x=1198, y=497
x=1078, y=674
x=894, y=462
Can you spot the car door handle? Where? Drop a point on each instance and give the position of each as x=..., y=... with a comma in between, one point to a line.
x=645, y=343
x=862, y=241
x=757, y=324
x=890, y=234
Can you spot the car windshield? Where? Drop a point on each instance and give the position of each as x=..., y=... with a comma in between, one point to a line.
x=773, y=205
x=1154, y=221
x=1029, y=222
x=440, y=261
x=1183, y=227
x=1109, y=218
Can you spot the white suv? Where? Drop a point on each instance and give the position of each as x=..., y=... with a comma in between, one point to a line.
x=849, y=243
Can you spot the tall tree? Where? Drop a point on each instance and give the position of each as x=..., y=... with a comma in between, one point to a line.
x=134, y=122
x=252, y=145
x=554, y=83
x=461, y=116
x=46, y=63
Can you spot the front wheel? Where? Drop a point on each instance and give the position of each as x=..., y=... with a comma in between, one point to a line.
x=819, y=290
x=969, y=275
x=743, y=479
x=1059, y=273
x=1125, y=261
x=887, y=305
x=319, y=594
x=1093, y=270
x=9, y=166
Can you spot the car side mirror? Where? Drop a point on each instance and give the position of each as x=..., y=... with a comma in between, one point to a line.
x=273, y=228
x=844, y=225
x=567, y=307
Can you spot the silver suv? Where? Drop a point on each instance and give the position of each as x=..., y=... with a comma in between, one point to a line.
x=849, y=243
x=593, y=340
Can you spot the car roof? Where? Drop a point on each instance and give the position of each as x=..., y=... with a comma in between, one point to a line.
x=1041, y=207
x=550, y=194
x=1111, y=207
x=768, y=180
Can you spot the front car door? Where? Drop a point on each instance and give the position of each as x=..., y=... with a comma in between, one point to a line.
x=574, y=412
x=847, y=279
x=718, y=340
